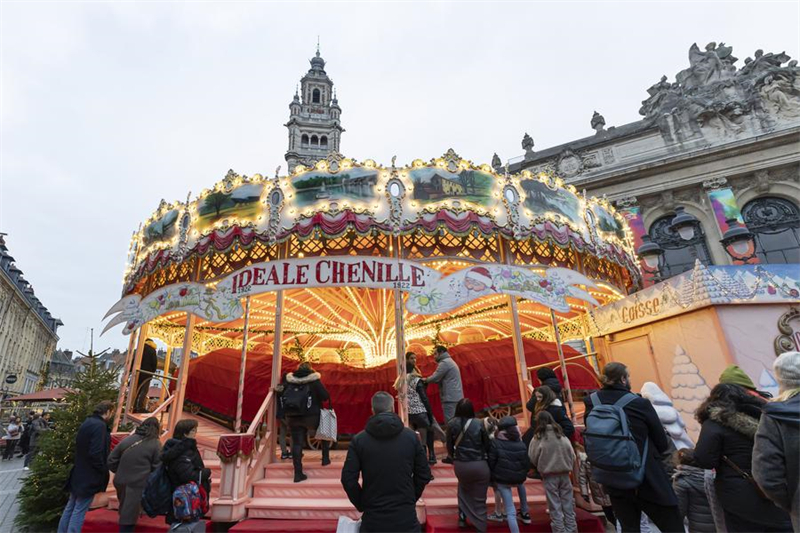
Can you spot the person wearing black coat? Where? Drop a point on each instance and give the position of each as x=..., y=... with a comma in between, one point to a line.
x=468, y=444
x=545, y=399
x=148, y=367
x=280, y=415
x=299, y=425
x=729, y=420
x=655, y=495
x=89, y=474
x=548, y=377
x=509, y=462
x=183, y=461
x=393, y=468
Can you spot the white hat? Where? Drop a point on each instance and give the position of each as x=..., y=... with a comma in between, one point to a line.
x=787, y=370
x=480, y=274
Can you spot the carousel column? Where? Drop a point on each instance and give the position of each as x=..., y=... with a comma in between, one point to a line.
x=133, y=391
x=242, y=366
x=180, y=385
x=123, y=387
x=557, y=336
x=272, y=422
x=400, y=345
x=519, y=351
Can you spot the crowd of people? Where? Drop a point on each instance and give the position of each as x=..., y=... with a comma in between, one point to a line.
x=23, y=436
x=741, y=475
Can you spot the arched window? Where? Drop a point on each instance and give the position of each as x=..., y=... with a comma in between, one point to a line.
x=314, y=140
x=775, y=223
x=315, y=96
x=323, y=141
x=304, y=140
x=679, y=255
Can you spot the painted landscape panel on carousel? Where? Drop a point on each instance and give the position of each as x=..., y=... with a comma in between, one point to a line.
x=241, y=203
x=541, y=199
x=607, y=223
x=354, y=184
x=436, y=184
x=161, y=230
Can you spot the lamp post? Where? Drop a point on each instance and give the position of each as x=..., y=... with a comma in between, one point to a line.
x=684, y=224
x=738, y=241
x=650, y=252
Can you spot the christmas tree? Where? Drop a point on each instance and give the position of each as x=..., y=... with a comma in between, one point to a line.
x=42, y=497
x=689, y=389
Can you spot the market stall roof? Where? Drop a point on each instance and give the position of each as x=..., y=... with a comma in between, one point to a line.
x=48, y=395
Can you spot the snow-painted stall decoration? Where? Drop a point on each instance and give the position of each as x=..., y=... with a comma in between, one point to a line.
x=767, y=382
x=701, y=287
x=689, y=389
x=669, y=416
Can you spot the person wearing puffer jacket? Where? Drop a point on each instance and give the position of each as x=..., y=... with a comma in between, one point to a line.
x=183, y=462
x=548, y=377
x=509, y=463
x=776, y=461
x=689, y=484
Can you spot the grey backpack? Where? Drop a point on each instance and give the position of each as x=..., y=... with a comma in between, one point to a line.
x=610, y=445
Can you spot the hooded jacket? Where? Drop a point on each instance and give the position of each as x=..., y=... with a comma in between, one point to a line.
x=89, y=475
x=776, y=460
x=551, y=455
x=183, y=463
x=508, y=457
x=317, y=390
x=731, y=434
x=548, y=377
x=394, y=470
x=689, y=484
x=448, y=376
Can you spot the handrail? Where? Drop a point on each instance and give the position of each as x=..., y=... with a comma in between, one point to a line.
x=260, y=414
x=164, y=405
x=556, y=363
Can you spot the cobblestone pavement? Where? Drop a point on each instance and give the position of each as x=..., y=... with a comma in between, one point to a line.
x=11, y=476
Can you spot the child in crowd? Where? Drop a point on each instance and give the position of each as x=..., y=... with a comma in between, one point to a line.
x=552, y=455
x=509, y=463
x=689, y=484
x=589, y=487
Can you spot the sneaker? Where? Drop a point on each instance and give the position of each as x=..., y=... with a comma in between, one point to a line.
x=286, y=455
x=448, y=460
x=462, y=520
x=326, y=462
x=525, y=518
x=300, y=477
x=26, y=468
x=496, y=517
x=432, y=460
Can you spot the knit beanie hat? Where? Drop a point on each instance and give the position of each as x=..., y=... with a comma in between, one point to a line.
x=736, y=376
x=787, y=370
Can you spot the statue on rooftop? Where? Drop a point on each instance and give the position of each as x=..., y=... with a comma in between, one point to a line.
x=598, y=122
x=527, y=144
x=496, y=163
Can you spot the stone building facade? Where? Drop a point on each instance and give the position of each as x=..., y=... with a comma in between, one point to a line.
x=314, y=123
x=722, y=141
x=28, y=332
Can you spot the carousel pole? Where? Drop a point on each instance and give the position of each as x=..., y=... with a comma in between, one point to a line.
x=242, y=366
x=134, y=370
x=272, y=422
x=563, y=365
x=180, y=386
x=519, y=347
x=123, y=387
x=400, y=345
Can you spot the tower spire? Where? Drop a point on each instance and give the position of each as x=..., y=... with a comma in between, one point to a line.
x=317, y=45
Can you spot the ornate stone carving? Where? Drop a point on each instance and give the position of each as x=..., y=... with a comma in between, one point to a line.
x=608, y=155
x=761, y=178
x=569, y=164
x=527, y=144
x=628, y=201
x=591, y=160
x=712, y=94
x=668, y=200
x=784, y=342
x=598, y=123
x=715, y=183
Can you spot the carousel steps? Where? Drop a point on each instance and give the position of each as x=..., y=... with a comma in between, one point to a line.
x=301, y=508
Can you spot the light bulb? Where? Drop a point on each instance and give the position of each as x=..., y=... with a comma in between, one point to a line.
x=651, y=261
x=686, y=233
x=741, y=247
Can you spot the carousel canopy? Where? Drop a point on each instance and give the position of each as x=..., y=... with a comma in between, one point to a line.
x=340, y=239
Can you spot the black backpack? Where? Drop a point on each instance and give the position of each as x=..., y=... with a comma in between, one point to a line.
x=297, y=399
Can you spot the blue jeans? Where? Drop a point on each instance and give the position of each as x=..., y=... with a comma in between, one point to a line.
x=74, y=513
x=508, y=503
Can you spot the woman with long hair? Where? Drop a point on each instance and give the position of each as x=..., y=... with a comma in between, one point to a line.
x=729, y=419
x=545, y=399
x=302, y=402
x=552, y=456
x=132, y=461
x=468, y=444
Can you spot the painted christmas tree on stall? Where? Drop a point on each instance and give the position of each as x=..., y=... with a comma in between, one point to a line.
x=689, y=389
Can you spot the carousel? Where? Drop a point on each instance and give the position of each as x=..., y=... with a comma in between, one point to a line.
x=350, y=265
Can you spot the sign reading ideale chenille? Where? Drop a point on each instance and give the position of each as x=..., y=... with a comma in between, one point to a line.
x=371, y=272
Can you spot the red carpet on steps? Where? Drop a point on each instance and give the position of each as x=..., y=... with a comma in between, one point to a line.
x=105, y=521
x=587, y=523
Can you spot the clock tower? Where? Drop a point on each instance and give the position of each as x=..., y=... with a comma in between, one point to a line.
x=314, y=126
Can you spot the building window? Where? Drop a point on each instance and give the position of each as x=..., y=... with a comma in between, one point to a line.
x=775, y=223
x=323, y=141
x=304, y=141
x=315, y=96
x=679, y=254
x=314, y=140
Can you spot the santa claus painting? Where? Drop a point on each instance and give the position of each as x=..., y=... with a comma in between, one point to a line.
x=478, y=280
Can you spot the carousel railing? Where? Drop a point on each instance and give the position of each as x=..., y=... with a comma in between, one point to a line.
x=162, y=409
x=243, y=457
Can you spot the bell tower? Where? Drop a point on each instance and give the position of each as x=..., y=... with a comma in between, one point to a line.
x=314, y=126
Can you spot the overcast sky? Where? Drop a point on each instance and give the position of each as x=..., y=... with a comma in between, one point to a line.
x=109, y=107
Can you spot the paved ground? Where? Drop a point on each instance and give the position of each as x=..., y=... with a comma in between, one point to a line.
x=11, y=476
